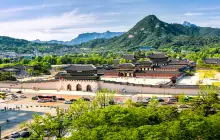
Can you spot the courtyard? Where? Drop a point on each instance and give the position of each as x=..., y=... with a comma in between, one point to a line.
x=201, y=77
x=146, y=81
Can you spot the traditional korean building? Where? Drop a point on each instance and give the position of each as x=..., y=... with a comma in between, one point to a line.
x=159, y=66
x=17, y=69
x=130, y=57
x=159, y=59
x=78, y=72
x=212, y=61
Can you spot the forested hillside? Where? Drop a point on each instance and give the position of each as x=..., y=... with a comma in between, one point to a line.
x=150, y=31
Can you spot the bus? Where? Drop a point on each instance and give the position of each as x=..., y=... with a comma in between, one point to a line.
x=46, y=98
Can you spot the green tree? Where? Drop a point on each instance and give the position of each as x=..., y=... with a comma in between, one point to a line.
x=182, y=99
x=104, y=97
x=30, y=71
x=24, y=61
x=50, y=126
x=122, y=61
x=207, y=101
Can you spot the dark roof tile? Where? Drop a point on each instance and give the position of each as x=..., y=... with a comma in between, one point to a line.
x=158, y=55
x=126, y=65
x=80, y=67
x=128, y=56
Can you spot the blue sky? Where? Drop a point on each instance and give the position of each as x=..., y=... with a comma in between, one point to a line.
x=65, y=19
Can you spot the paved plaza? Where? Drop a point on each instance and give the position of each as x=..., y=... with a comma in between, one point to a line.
x=17, y=116
x=147, y=81
x=189, y=80
x=193, y=80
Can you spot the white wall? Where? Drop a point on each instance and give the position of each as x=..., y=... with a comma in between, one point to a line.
x=99, y=85
x=84, y=83
x=148, y=90
x=40, y=85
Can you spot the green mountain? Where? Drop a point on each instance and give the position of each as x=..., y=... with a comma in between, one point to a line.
x=151, y=31
x=24, y=46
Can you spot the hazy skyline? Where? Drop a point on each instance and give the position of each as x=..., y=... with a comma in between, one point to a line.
x=64, y=20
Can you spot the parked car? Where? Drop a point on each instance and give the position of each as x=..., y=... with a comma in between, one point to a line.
x=41, y=101
x=160, y=100
x=172, y=100
x=14, y=96
x=19, y=92
x=25, y=134
x=23, y=96
x=34, y=98
x=73, y=100
x=68, y=102
x=61, y=99
x=148, y=98
x=15, y=135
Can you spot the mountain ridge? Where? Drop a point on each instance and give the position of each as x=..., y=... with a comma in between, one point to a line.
x=84, y=37
x=186, y=23
x=150, y=31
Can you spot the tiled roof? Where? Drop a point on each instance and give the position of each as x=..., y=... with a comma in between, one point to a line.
x=102, y=71
x=160, y=72
x=61, y=74
x=146, y=62
x=158, y=55
x=11, y=70
x=172, y=66
x=80, y=67
x=128, y=56
x=179, y=63
x=212, y=61
x=126, y=65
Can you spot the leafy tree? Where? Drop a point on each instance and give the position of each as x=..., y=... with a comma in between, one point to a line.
x=50, y=126
x=24, y=61
x=153, y=102
x=122, y=61
x=207, y=101
x=30, y=71
x=104, y=97
x=182, y=99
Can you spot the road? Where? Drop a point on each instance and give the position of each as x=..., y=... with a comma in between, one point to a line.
x=30, y=107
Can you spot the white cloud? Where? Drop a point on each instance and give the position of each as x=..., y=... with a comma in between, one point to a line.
x=26, y=8
x=193, y=14
x=62, y=27
x=30, y=29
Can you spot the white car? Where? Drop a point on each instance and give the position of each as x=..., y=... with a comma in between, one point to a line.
x=23, y=96
x=15, y=135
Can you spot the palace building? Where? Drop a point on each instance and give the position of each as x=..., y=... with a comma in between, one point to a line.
x=78, y=72
x=212, y=61
x=158, y=66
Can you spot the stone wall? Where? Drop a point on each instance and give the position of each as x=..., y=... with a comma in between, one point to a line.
x=73, y=84
x=131, y=88
x=96, y=85
x=51, y=85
